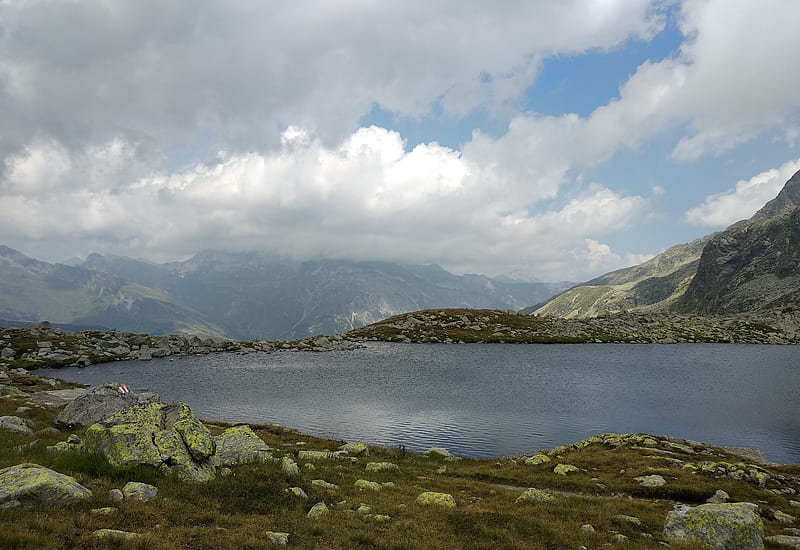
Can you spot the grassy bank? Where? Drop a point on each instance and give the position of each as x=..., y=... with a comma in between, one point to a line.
x=235, y=512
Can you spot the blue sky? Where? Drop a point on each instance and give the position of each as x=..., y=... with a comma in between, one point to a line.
x=543, y=140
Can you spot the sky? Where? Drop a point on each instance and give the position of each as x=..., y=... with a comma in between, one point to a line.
x=539, y=139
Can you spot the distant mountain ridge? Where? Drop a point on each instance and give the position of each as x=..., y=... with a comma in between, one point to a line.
x=241, y=295
x=753, y=266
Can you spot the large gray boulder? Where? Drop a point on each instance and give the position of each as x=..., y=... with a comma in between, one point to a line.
x=168, y=436
x=100, y=403
x=29, y=484
x=17, y=425
x=735, y=526
x=240, y=445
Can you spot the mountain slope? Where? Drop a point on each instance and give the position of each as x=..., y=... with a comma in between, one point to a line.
x=32, y=291
x=752, y=266
x=254, y=295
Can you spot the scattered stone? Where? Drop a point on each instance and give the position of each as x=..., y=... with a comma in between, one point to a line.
x=364, y=509
x=783, y=517
x=429, y=498
x=115, y=535
x=564, y=469
x=106, y=511
x=380, y=518
x=298, y=492
x=719, y=497
x=240, y=445
x=116, y=495
x=321, y=455
x=719, y=526
x=11, y=391
x=100, y=403
x=324, y=484
x=17, y=425
x=587, y=528
x=381, y=466
x=34, y=484
x=277, y=538
x=535, y=495
x=633, y=520
x=317, y=510
x=539, y=458
x=441, y=452
x=310, y=467
x=369, y=485
x=651, y=481
x=619, y=537
x=355, y=449
x=784, y=540
x=134, y=490
x=289, y=466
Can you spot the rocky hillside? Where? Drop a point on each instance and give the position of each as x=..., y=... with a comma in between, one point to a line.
x=492, y=326
x=753, y=268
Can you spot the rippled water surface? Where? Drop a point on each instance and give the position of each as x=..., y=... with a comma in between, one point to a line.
x=485, y=400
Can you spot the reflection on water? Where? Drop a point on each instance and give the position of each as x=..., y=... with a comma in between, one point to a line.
x=491, y=400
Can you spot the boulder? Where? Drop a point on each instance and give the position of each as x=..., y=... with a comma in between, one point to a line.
x=324, y=484
x=277, y=538
x=100, y=403
x=364, y=484
x=430, y=498
x=381, y=466
x=784, y=540
x=317, y=510
x=298, y=492
x=441, y=452
x=535, y=495
x=134, y=490
x=17, y=425
x=719, y=497
x=651, y=481
x=355, y=449
x=289, y=466
x=539, y=458
x=240, y=445
x=33, y=484
x=167, y=436
x=734, y=526
x=564, y=469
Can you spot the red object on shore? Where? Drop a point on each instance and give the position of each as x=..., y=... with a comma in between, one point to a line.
x=123, y=389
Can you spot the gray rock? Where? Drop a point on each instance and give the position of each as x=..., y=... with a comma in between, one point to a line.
x=11, y=391
x=277, y=538
x=317, y=510
x=651, y=481
x=166, y=436
x=116, y=495
x=115, y=535
x=30, y=484
x=355, y=449
x=535, y=495
x=734, y=526
x=240, y=445
x=324, y=484
x=784, y=540
x=289, y=466
x=719, y=497
x=100, y=403
x=21, y=426
x=8, y=353
x=381, y=466
x=134, y=490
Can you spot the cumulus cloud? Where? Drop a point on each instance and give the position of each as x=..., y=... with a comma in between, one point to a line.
x=365, y=198
x=741, y=202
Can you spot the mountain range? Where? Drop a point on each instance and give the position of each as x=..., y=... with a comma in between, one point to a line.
x=752, y=267
x=241, y=295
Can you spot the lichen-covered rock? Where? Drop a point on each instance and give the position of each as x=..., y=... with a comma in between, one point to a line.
x=34, y=484
x=441, y=452
x=115, y=534
x=719, y=497
x=324, y=484
x=17, y=425
x=321, y=455
x=289, y=466
x=317, y=510
x=784, y=540
x=146, y=434
x=430, y=498
x=298, y=492
x=240, y=445
x=277, y=538
x=11, y=391
x=734, y=526
x=100, y=403
x=381, y=466
x=134, y=490
x=539, y=458
x=355, y=449
x=564, y=469
x=369, y=485
x=783, y=517
x=535, y=495
x=651, y=481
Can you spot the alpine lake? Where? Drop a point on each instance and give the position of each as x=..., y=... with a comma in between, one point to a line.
x=486, y=400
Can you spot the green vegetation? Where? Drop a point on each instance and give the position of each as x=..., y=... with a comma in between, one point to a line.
x=236, y=511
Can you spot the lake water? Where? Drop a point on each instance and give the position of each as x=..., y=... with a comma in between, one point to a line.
x=484, y=400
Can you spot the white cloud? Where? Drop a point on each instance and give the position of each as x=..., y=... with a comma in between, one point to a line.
x=741, y=202
x=366, y=198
